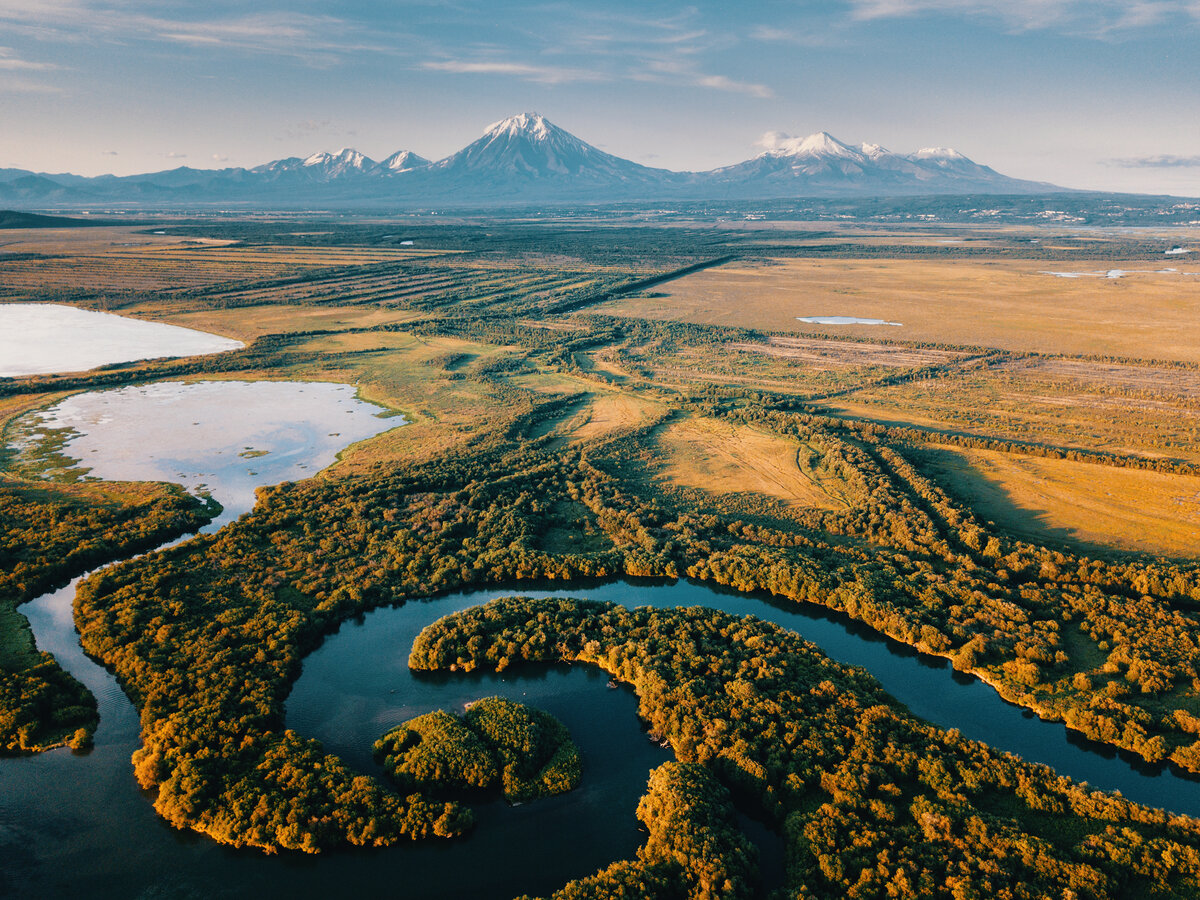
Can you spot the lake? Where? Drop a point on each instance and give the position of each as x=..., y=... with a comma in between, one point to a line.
x=43, y=338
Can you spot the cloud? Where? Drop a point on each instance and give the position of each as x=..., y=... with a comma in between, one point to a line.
x=10, y=63
x=220, y=157
x=173, y=155
x=1162, y=161
x=722, y=83
x=774, y=140
x=319, y=40
x=109, y=153
x=674, y=71
x=822, y=37
x=542, y=74
x=1090, y=18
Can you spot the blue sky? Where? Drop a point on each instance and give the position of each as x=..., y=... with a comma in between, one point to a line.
x=1093, y=94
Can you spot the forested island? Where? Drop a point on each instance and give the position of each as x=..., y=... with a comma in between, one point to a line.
x=525, y=753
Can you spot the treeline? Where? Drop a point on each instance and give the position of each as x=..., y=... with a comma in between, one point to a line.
x=41, y=705
x=48, y=535
x=693, y=850
x=871, y=801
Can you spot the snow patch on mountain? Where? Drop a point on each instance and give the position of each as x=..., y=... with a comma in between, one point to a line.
x=403, y=161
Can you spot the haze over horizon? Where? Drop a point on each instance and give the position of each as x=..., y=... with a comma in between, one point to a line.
x=1093, y=95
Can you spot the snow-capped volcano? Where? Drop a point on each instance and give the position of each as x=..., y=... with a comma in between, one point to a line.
x=528, y=159
x=529, y=149
x=820, y=145
x=822, y=165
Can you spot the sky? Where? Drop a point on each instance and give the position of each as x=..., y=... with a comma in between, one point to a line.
x=1094, y=94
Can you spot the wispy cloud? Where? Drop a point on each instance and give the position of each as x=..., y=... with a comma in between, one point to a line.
x=317, y=39
x=1161, y=161
x=678, y=49
x=321, y=40
x=12, y=63
x=541, y=74
x=684, y=72
x=826, y=35
x=174, y=155
x=1092, y=18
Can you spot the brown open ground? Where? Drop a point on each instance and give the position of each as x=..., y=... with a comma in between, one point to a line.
x=94, y=239
x=609, y=413
x=834, y=354
x=247, y=323
x=1077, y=503
x=721, y=458
x=1007, y=304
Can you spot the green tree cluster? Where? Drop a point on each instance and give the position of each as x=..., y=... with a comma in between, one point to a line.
x=526, y=752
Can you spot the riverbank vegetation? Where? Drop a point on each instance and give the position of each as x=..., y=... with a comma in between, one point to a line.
x=48, y=535
x=551, y=442
x=693, y=851
x=872, y=802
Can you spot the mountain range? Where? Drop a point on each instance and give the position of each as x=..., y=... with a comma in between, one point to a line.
x=526, y=159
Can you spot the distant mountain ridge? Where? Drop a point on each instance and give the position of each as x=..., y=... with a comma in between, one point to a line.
x=527, y=159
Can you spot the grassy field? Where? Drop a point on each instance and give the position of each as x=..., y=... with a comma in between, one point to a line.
x=720, y=458
x=1024, y=407
x=247, y=323
x=123, y=259
x=1006, y=303
x=1083, y=505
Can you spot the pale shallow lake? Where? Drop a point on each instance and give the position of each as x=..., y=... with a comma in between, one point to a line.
x=844, y=320
x=221, y=437
x=41, y=338
x=1117, y=273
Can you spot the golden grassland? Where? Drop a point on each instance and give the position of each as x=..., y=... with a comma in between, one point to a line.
x=96, y=239
x=408, y=373
x=1115, y=407
x=607, y=414
x=1136, y=511
x=247, y=323
x=1140, y=409
x=721, y=458
x=1003, y=303
x=1055, y=412
x=825, y=353
x=1077, y=503
x=128, y=261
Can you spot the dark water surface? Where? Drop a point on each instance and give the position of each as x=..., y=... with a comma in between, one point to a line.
x=78, y=825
